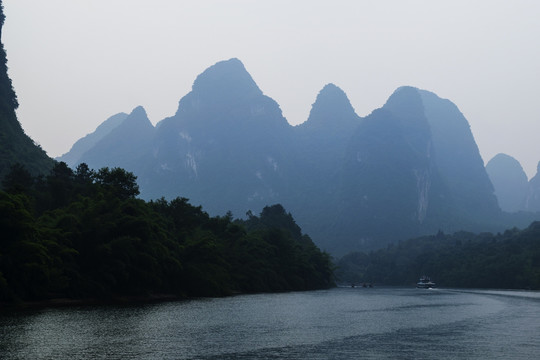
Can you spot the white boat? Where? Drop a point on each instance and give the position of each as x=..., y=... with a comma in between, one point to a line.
x=425, y=283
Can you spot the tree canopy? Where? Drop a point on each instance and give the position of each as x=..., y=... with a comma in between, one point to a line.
x=509, y=260
x=85, y=234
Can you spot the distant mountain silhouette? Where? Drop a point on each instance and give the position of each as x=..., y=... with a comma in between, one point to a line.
x=320, y=146
x=15, y=145
x=386, y=177
x=332, y=111
x=458, y=159
x=400, y=177
x=227, y=146
x=533, y=195
x=409, y=168
x=73, y=157
x=510, y=182
x=323, y=137
x=125, y=145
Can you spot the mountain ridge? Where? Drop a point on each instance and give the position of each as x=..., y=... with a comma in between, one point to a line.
x=82, y=145
x=352, y=182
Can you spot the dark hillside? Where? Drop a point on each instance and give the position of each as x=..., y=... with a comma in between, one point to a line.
x=83, y=234
x=15, y=145
x=510, y=260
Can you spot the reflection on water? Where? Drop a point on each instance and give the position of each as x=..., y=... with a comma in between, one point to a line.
x=341, y=323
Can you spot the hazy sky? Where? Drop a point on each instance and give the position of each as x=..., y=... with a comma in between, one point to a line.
x=74, y=63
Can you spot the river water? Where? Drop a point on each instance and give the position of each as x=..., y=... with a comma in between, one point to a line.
x=341, y=323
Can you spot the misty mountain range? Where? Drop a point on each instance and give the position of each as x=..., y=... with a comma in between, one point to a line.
x=411, y=167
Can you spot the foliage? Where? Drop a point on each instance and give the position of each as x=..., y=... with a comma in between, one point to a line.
x=509, y=260
x=84, y=234
x=291, y=255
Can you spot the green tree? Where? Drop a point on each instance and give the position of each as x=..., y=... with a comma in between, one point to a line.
x=118, y=182
x=18, y=179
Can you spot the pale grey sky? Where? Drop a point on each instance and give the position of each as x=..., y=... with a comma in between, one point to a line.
x=74, y=63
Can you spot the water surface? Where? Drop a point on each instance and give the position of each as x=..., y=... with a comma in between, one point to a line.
x=342, y=323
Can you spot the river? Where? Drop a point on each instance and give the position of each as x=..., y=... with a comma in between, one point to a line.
x=341, y=323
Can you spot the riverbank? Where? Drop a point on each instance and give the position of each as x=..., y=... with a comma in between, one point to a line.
x=68, y=302
x=122, y=300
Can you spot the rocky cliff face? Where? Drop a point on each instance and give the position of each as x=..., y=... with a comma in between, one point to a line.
x=407, y=105
x=411, y=167
x=388, y=178
x=458, y=159
x=510, y=182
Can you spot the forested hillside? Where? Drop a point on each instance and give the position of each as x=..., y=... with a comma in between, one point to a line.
x=84, y=234
x=510, y=260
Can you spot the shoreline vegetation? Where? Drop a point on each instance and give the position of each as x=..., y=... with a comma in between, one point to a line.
x=508, y=260
x=84, y=234
x=82, y=237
